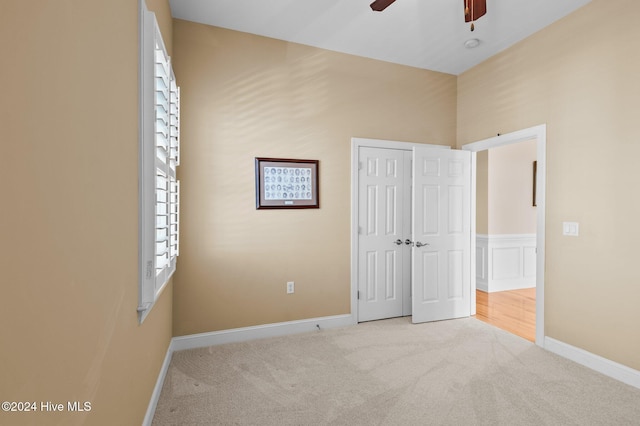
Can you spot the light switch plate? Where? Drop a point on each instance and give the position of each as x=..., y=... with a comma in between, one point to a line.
x=571, y=229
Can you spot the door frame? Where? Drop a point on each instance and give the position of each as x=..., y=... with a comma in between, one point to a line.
x=539, y=133
x=356, y=143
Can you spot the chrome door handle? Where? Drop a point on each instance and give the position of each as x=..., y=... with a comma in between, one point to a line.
x=398, y=242
x=419, y=244
x=408, y=242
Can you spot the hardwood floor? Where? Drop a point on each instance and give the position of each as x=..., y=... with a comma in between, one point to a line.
x=513, y=311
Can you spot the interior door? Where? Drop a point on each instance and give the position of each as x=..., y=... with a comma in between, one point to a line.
x=384, y=284
x=441, y=252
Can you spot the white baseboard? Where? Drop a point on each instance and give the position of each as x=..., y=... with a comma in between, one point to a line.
x=602, y=365
x=204, y=340
x=482, y=286
x=155, y=396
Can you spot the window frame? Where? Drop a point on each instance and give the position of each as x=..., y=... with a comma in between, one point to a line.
x=159, y=130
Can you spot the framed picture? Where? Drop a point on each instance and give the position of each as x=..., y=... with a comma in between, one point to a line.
x=286, y=184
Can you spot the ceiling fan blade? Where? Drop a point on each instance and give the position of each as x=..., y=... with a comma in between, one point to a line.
x=380, y=5
x=477, y=9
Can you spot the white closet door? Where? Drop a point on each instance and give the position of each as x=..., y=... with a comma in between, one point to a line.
x=384, y=225
x=441, y=262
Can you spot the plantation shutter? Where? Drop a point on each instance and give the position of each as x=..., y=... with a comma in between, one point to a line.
x=167, y=108
x=174, y=161
x=159, y=158
x=162, y=113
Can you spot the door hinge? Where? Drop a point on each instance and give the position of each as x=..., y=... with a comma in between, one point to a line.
x=358, y=294
x=359, y=165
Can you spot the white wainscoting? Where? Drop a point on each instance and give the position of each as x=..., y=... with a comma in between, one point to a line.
x=505, y=262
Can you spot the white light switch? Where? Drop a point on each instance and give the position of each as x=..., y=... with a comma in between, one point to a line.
x=571, y=229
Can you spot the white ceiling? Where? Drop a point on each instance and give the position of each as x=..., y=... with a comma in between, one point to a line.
x=427, y=34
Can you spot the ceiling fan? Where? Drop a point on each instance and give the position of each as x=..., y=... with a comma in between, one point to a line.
x=473, y=9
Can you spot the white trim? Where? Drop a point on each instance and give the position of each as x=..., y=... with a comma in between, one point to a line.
x=508, y=138
x=146, y=283
x=155, y=396
x=154, y=65
x=381, y=143
x=504, y=237
x=356, y=144
x=602, y=365
x=472, y=251
x=244, y=334
x=539, y=133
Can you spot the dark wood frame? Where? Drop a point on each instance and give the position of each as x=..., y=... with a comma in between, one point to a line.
x=262, y=201
x=535, y=179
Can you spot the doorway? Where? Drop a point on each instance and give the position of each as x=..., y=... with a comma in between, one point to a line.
x=537, y=133
x=506, y=237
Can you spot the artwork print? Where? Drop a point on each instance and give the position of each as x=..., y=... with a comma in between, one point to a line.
x=286, y=183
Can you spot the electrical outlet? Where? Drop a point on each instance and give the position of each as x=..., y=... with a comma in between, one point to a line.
x=290, y=287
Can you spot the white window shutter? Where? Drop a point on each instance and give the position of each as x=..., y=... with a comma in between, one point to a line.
x=174, y=120
x=159, y=158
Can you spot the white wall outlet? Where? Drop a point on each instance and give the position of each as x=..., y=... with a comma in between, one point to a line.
x=291, y=287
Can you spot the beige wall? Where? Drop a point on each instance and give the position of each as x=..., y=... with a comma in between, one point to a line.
x=510, y=189
x=482, y=192
x=69, y=225
x=580, y=77
x=245, y=96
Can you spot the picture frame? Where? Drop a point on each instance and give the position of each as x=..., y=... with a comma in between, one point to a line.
x=535, y=180
x=283, y=183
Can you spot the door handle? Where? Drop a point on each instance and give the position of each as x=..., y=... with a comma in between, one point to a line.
x=398, y=242
x=408, y=242
x=419, y=244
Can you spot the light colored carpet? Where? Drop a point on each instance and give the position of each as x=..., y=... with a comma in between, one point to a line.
x=391, y=372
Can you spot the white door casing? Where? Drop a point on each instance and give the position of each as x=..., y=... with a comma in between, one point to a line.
x=539, y=133
x=384, y=201
x=441, y=254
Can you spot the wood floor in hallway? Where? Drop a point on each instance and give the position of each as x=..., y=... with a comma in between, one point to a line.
x=513, y=311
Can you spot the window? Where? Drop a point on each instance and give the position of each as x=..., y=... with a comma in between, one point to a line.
x=159, y=187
